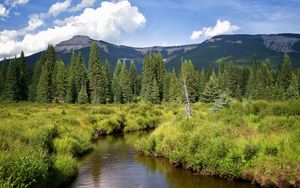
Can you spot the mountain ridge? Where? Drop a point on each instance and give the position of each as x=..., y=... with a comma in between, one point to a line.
x=237, y=47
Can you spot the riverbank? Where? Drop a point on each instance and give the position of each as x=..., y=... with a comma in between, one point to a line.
x=255, y=141
x=40, y=143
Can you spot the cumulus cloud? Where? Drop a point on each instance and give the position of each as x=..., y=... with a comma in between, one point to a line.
x=59, y=7
x=3, y=11
x=83, y=4
x=221, y=27
x=14, y=3
x=107, y=22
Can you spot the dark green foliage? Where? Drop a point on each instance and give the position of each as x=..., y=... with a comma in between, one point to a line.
x=108, y=82
x=24, y=78
x=285, y=72
x=96, y=77
x=134, y=79
x=153, y=71
x=83, y=97
x=292, y=91
x=124, y=81
x=59, y=82
x=174, y=89
x=116, y=83
x=12, y=82
x=3, y=71
x=45, y=88
x=212, y=90
x=189, y=73
x=36, y=77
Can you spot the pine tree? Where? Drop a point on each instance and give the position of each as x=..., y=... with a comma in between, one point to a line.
x=285, y=72
x=83, y=96
x=201, y=82
x=212, y=90
x=133, y=79
x=60, y=82
x=125, y=85
x=71, y=80
x=277, y=92
x=153, y=68
x=11, y=86
x=115, y=83
x=154, y=93
x=174, y=92
x=32, y=93
x=3, y=74
x=23, y=77
x=96, y=78
x=108, y=82
x=292, y=91
x=189, y=73
x=166, y=89
x=44, y=89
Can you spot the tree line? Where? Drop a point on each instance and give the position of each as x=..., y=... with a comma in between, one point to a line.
x=52, y=81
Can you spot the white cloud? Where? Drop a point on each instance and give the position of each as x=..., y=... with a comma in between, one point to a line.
x=14, y=3
x=83, y=4
x=34, y=22
x=3, y=11
x=221, y=27
x=59, y=7
x=107, y=22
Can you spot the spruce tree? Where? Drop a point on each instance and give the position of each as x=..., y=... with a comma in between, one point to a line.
x=189, y=73
x=71, y=80
x=285, y=72
x=96, y=78
x=292, y=91
x=133, y=79
x=32, y=94
x=116, y=83
x=23, y=77
x=60, y=82
x=126, y=91
x=154, y=93
x=201, y=82
x=12, y=82
x=3, y=73
x=108, y=82
x=174, y=91
x=212, y=90
x=83, y=96
x=44, y=88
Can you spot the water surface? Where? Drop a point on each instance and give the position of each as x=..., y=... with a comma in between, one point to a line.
x=116, y=164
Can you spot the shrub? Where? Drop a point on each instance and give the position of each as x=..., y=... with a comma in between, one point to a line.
x=250, y=151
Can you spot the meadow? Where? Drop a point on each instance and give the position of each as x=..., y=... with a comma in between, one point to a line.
x=40, y=143
x=256, y=141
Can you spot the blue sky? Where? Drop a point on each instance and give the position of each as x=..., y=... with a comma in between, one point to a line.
x=30, y=25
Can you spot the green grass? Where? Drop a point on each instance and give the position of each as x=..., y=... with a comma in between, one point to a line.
x=257, y=141
x=40, y=143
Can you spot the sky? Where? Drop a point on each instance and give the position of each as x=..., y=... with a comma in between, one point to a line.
x=30, y=25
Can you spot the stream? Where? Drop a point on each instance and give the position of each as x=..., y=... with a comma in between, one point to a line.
x=116, y=164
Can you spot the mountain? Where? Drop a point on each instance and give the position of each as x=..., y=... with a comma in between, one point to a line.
x=239, y=48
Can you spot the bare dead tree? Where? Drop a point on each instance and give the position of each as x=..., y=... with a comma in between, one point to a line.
x=188, y=108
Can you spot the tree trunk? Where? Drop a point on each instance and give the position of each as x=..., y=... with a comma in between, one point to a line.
x=188, y=109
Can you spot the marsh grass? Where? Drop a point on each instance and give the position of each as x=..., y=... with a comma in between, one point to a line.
x=40, y=143
x=257, y=140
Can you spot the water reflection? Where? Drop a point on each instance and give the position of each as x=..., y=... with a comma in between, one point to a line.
x=115, y=164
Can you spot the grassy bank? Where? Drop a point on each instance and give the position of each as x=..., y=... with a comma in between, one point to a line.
x=40, y=143
x=256, y=141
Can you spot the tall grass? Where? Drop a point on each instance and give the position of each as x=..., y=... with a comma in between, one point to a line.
x=258, y=141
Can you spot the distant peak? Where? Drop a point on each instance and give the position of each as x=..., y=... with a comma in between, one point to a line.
x=81, y=37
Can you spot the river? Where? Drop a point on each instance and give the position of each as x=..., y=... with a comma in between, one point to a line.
x=116, y=164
